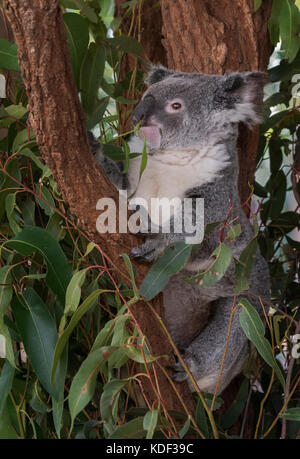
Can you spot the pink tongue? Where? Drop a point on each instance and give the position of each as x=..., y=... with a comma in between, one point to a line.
x=152, y=135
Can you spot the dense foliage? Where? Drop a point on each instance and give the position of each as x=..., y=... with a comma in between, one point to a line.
x=70, y=358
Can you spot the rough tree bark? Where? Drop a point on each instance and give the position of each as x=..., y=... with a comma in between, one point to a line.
x=57, y=119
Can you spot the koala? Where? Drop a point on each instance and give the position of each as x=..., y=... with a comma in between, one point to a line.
x=189, y=122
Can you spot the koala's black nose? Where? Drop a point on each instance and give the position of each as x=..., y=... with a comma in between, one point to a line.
x=135, y=119
x=143, y=110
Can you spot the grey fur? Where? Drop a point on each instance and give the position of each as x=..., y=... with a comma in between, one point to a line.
x=212, y=107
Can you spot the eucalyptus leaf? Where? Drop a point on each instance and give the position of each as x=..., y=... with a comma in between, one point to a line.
x=32, y=239
x=84, y=382
x=289, y=24
x=91, y=76
x=131, y=430
x=126, y=44
x=254, y=330
x=63, y=338
x=78, y=38
x=171, y=262
x=39, y=334
x=292, y=414
x=244, y=265
x=150, y=423
x=11, y=114
x=217, y=269
x=6, y=380
x=8, y=55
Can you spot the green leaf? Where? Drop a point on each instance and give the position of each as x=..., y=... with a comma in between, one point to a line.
x=11, y=114
x=131, y=273
x=237, y=406
x=10, y=204
x=185, y=428
x=254, y=330
x=104, y=335
x=234, y=232
x=85, y=10
x=24, y=139
x=47, y=203
x=171, y=262
x=91, y=76
x=289, y=24
x=28, y=212
x=6, y=292
x=8, y=55
x=6, y=289
x=150, y=423
x=292, y=414
x=38, y=331
x=209, y=399
x=138, y=356
x=120, y=337
x=260, y=190
x=58, y=404
x=273, y=22
x=33, y=239
x=63, y=339
x=109, y=400
x=223, y=256
x=78, y=38
x=277, y=185
x=257, y=4
x=126, y=44
x=97, y=114
x=73, y=292
x=244, y=265
x=7, y=426
x=144, y=160
x=29, y=154
x=6, y=380
x=284, y=71
x=84, y=382
x=201, y=418
x=131, y=430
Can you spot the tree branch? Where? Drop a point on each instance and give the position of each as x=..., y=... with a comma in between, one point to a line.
x=58, y=122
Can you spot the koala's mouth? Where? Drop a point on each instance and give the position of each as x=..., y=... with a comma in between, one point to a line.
x=152, y=134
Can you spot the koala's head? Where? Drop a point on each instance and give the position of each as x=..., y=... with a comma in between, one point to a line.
x=184, y=109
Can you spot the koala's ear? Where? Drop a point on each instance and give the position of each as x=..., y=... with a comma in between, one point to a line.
x=244, y=94
x=157, y=73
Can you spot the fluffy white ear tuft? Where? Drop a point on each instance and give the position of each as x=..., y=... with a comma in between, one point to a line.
x=244, y=92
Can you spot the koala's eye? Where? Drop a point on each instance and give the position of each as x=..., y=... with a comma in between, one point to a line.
x=176, y=106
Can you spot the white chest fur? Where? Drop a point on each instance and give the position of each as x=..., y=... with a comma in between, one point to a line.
x=171, y=173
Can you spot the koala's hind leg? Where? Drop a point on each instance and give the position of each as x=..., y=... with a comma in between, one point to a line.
x=204, y=355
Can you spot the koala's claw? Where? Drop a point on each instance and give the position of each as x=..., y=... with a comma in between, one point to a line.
x=180, y=374
x=143, y=253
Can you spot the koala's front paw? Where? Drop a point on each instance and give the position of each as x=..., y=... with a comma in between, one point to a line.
x=180, y=373
x=146, y=252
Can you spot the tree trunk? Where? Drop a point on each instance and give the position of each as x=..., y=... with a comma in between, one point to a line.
x=57, y=119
